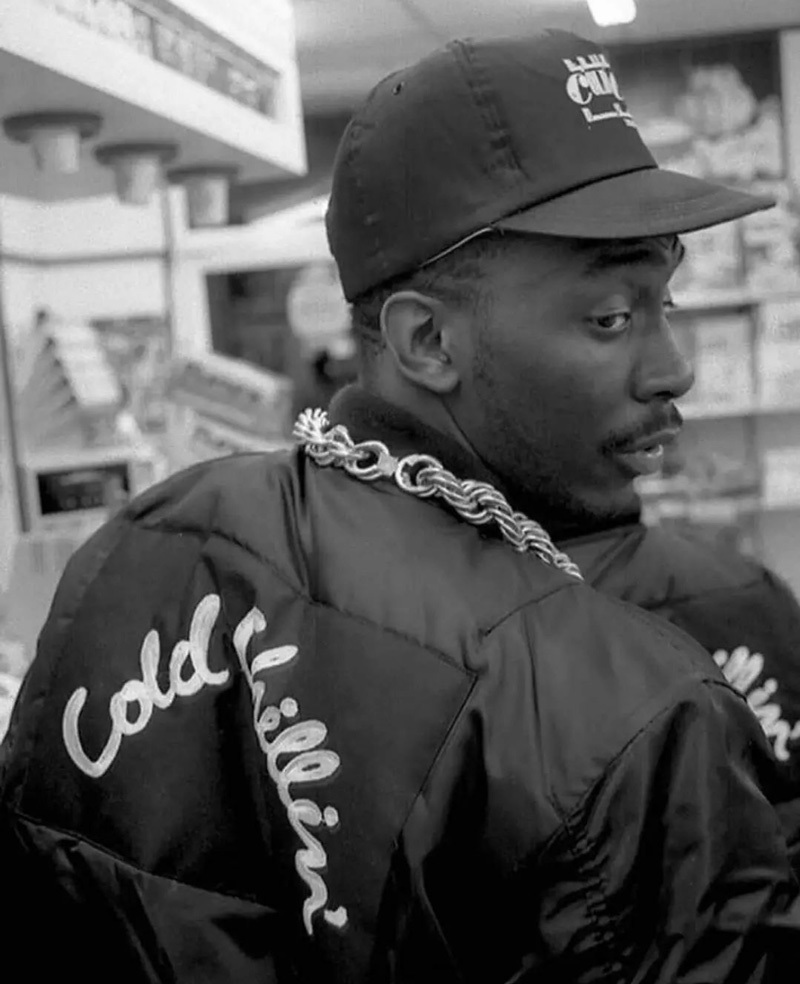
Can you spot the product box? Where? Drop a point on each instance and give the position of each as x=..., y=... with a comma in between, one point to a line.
x=721, y=523
x=719, y=346
x=138, y=350
x=713, y=261
x=771, y=241
x=778, y=354
x=697, y=467
x=68, y=393
x=234, y=394
x=781, y=483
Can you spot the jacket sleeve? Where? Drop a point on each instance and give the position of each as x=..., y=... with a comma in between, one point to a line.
x=779, y=621
x=752, y=630
x=675, y=859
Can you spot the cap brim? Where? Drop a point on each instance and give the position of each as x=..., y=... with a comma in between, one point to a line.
x=648, y=202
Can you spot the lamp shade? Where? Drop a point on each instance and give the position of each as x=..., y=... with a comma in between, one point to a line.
x=137, y=168
x=207, y=189
x=54, y=137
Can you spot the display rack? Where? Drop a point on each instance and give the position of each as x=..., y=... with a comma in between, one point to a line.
x=120, y=123
x=725, y=108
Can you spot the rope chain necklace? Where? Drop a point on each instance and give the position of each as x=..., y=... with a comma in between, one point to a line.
x=424, y=476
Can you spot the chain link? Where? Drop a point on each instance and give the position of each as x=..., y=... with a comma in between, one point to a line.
x=424, y=476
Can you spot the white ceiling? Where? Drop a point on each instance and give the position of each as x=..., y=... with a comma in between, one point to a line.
x=345, y=46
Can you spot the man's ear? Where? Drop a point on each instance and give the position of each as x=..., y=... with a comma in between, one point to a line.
x=420, y=333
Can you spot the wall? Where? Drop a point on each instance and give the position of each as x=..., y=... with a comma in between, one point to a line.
x=82, y=259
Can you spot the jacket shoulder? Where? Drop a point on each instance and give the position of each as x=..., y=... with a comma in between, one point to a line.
x=651, y=566
x=596, y=673
x=209, y=496
x=592, y=644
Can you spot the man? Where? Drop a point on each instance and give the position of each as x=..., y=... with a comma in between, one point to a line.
x=349, y=715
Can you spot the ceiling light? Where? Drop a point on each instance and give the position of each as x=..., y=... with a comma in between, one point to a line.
x=609, y=12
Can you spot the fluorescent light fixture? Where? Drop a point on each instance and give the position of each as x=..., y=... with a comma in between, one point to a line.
x=609, y=12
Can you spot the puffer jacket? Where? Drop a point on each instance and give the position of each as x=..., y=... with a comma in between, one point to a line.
x=746, y=617
x=288, y=726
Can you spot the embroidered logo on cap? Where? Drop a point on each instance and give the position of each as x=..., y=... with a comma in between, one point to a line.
x=590, y=78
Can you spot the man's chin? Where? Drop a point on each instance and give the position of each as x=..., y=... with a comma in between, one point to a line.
x=594, y=511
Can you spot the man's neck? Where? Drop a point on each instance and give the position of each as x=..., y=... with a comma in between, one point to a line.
x=370, y=417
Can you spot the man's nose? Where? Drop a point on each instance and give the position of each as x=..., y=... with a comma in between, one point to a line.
x=663, y=372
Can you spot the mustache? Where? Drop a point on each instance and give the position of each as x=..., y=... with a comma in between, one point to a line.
x=668, y=417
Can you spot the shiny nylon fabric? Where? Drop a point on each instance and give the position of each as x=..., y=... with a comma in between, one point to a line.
x=729, y=603
x=511, y=745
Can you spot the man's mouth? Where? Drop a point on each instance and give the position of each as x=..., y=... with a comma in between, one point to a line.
x=646, y=455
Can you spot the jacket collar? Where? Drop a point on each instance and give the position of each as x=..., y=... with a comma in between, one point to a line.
x=368, y=418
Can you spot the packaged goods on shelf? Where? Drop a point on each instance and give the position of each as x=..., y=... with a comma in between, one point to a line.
x=68, y=392
x=778, y=353
x=696, y=469
x=771, y=241
x=219, y=405
x=234, y=393
x=720, y=522
x=137, y=348
x=781, y=482
x=719, y=346
x=713, y=260
x=713, y=493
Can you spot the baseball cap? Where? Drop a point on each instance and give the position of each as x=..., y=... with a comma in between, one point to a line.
x=530, y=135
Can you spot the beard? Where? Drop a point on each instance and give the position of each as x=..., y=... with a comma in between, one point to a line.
x=533, y=472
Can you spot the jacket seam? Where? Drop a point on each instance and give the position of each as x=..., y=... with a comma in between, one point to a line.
x=654, y=606
x=633, y=610
x=665, y=632
x=646, y=726
x=453, y=727
x=597, y=891
x=597, y=904
x=31, y=821
x=425, y=784
x=629, y=526
x=292, y=586
x=596, y=900
x=526, y=604
x=174, y=529
x=660, y=626
x=25, y=755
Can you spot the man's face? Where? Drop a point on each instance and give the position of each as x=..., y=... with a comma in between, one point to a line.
x=573, y=372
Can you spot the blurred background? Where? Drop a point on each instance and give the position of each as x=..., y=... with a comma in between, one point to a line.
x=166, y=292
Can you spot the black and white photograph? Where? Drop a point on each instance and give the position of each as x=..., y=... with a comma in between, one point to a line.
x=400, y=491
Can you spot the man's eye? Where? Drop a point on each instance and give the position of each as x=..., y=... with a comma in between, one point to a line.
x=617, y=321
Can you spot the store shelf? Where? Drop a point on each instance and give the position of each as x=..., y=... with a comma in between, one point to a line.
x=183, y=79
x=714, y=507
x=738, y=410
x=780, y=505
x=710, y=300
